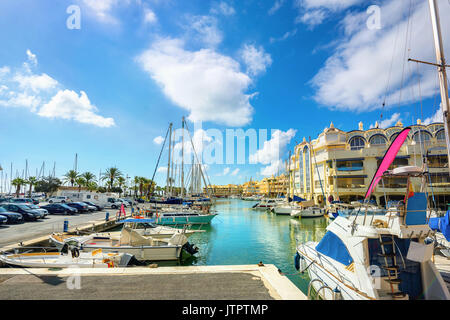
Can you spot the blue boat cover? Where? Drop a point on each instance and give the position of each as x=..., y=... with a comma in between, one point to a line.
x=137, y=220
x=416, y=211
x=333, y=247
x=442, y=225
x=298, y=199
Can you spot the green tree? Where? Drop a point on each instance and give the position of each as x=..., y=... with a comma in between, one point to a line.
x=88, y=177
x=121, y=182
x=31, y=181
x=80, y=182
x=47, y=185
x=18, y=183
x=71, y=177
x=110, y=176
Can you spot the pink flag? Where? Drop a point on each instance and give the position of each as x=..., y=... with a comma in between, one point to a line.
x=122, y=210
x=388, y=158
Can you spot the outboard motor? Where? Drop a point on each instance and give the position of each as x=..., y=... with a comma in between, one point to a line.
x=190, y=248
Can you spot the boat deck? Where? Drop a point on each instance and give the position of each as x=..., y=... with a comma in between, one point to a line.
x=244, y=282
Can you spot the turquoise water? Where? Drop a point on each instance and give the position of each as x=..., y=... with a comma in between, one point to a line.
x=241, y=235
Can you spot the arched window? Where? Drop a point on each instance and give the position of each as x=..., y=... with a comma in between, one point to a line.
x=422, y=136
x=440, y=135
x=357, y=143
x=377, y=140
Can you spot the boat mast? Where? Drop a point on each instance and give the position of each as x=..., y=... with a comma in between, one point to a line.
x=168, y=162
x=440, y=59
x=289, y=177
x=182, y=157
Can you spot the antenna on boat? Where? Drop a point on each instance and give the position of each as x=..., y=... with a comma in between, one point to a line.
x=441, y=65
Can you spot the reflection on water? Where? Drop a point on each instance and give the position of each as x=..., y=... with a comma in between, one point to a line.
x=241, y=235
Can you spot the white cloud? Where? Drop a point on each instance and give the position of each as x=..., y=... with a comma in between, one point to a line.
x=32, y=57
x=312, y=18
x=161, y=169
x=235, y=172
x=223, y=8
x=226, y=171
x=207, y=84
x=314, y=12
x=285, y=36
x=355, y=76
x=205, y=30
x=66, y=104
x=272, y=150
x=273, y=169
x=436, y=117
x=158, y=140
x=200, y=140
x=102, y=10
x=256, y=59
x=43, y=95
x=276, y=6
x=22, y=99
x=388, y=122
x=149, y=16
x=35, y=82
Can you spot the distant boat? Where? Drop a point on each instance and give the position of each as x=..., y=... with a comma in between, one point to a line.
x=183, y=217
x=131, y=242
x=69, y=258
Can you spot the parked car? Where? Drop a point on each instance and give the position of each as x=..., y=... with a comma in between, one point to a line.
x=59, y=199
x=81, y=207
x=114, y=203
x=13, y=217
x=90, y=208
x=99, y=207
x=37, y=208
x=59, y=208
x=3, y=219
x=23, y=200
x=27, y=213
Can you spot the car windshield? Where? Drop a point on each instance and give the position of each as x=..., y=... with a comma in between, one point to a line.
x=32, y=206
x=65, y=206
x=23, y=206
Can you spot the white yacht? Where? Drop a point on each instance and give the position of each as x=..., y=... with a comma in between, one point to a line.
x=376, y=257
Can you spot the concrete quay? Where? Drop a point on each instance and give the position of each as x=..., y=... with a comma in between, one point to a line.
x=239, y=282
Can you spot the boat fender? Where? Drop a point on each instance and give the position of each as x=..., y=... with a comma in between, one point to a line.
x=297, y=261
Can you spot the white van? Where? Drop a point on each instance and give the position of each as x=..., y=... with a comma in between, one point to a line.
x=106, y=200
x=59, y=199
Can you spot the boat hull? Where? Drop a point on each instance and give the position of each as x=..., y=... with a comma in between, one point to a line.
x=182, y=220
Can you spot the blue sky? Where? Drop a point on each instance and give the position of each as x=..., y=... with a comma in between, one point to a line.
x=107, y=90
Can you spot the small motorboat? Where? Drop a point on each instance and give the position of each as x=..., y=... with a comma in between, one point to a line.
x=72, y=257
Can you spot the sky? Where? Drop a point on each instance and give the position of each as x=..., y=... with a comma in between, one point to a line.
x=103, y=79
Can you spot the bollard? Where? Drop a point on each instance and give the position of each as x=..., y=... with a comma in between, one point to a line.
x=132, y=210
x=66, y=225
x=107, y=216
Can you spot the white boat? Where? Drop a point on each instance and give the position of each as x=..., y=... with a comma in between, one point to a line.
x=309, y=212
x=268, y=203
x=308, y=209
x=70, y=258
x=284, y=209
x=131, y=242
x=372, y=257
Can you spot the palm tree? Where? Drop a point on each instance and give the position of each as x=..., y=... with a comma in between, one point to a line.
x=91, y=186
x=120, y=182
x=31, y=181
x=70, y=177
x=80, y=182
x=111, y=176
x=18, y=183
x=88, y=176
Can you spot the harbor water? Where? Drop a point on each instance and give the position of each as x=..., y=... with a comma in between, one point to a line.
x=242, y=235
